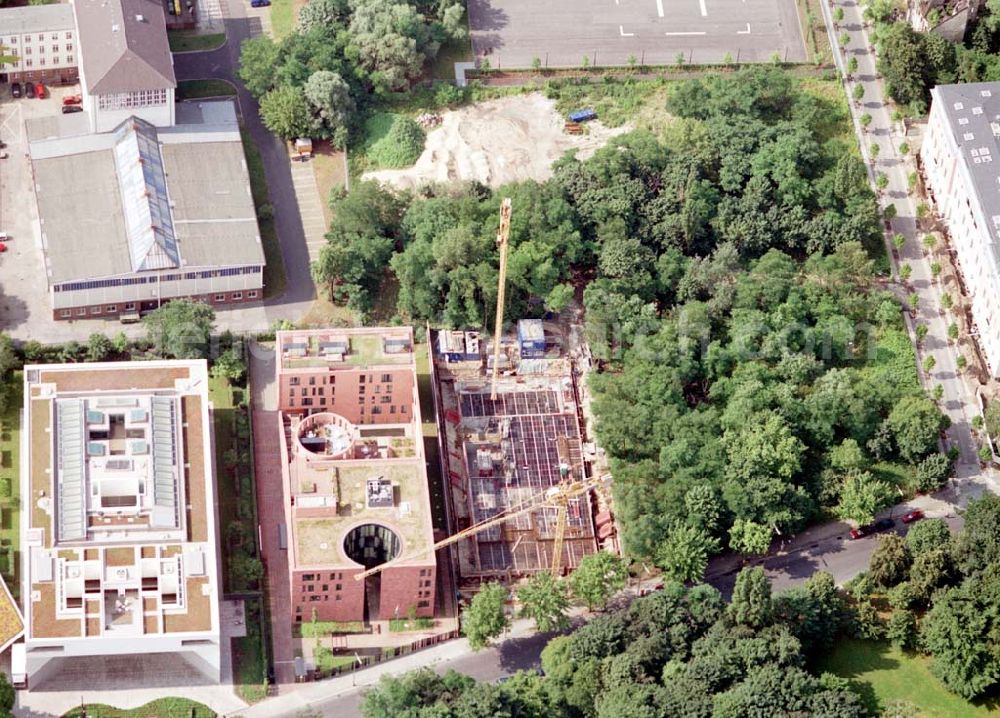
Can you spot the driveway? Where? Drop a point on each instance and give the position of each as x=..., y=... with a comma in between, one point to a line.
x=223, y=64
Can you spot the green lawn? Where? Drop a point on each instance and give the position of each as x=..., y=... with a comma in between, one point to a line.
x=193, y=89
x=160, y=708
x=249, y=659
x=884, y=674
x=282, y=18
x=191, y=41
x=316, y=629
x=10, y=443
x=274, y=270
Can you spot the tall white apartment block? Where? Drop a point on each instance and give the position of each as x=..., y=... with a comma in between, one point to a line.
x=961, y=162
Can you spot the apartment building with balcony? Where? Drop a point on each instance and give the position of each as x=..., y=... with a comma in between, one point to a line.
x=960, y=158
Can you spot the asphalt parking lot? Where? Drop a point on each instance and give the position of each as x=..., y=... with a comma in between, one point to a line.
x=560, y=33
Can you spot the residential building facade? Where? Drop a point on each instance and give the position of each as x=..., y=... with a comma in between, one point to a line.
x=42, y=39
x=354, y=475
x=119, y=531
x=960, y=158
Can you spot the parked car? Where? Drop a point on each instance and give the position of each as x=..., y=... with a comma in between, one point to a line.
x=15, y=89
x=259, y=3
x=41, y=91
x=67, y=109
x=72, y=100
x=914, y=515
x=880, y=525
x=29, y=90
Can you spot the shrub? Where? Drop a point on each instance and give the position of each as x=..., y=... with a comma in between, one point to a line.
x=392, y=141
x=5, y=488
x=932, y=472
x=447, y=95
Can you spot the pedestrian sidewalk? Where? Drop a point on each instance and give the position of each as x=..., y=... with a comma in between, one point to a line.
x=881, y=142
x=306, y=694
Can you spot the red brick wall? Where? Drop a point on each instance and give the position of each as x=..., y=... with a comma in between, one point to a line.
x=112, y=311
x=402, y=588
x=320, y=592
x=337, y=390
x=405, y=587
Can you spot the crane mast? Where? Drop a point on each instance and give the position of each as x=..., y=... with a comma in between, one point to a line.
x=503, y=234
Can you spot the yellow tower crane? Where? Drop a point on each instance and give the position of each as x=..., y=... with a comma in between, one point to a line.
x=503, y=234
x=557, y=497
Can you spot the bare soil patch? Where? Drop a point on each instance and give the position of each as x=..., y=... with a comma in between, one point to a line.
x=510, y=139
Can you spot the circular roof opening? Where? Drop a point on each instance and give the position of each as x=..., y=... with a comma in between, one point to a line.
x=372, y=545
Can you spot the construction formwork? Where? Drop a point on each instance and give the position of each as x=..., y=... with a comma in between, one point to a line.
x=526, y=440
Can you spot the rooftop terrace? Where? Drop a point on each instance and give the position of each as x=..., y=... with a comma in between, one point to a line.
x=337, y=500
x=345, y=348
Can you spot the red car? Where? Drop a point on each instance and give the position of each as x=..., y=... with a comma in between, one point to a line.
x=42, y=91
x=914, y=515
x=72, y=100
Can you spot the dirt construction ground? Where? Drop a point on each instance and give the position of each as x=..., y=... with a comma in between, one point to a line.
x=506, y=140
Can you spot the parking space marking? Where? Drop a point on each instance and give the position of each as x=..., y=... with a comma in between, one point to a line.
x=744, y=32
x=704, y=10
x=696, y=32
x=659, y=7
x=621, y=29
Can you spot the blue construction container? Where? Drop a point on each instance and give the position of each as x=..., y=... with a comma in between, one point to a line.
x=531, y=338
x=584, y=115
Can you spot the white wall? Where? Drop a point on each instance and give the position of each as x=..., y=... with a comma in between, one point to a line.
x=956, y=202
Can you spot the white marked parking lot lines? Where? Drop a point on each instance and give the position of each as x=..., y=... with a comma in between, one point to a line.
x=704, y=10
x=744, y=32
x=621, y=29
x=685, y=33
x=659, y=7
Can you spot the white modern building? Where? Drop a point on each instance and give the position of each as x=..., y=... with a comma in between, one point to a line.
x=961, y=161
x=42, y=39
x=119, y=529
x=126, y=68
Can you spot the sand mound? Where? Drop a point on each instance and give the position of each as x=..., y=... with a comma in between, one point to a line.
x=506, y=140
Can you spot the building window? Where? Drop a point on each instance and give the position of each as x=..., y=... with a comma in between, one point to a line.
x=237, y=296
x=338, y=587
x=69, y=47
x=69, y=36
x=95, y=310
x=252, y=294
x=386, y=378
x=41, y=61
x=423, y=604
x=386, y=399
x=65, y=313
x=220, y=297
x=55, y=49
x=336, y=597
x=130, y=307
x=69, y=59
x=126, y=100
x=112, y=308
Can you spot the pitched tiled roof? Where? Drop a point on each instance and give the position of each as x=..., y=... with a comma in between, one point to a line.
x=124, y=46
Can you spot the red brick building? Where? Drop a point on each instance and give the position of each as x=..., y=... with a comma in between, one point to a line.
x=354, y=475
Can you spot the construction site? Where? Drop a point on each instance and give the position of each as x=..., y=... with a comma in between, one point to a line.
x=528, y=489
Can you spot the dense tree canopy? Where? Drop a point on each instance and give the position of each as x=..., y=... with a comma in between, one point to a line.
x=677, y=652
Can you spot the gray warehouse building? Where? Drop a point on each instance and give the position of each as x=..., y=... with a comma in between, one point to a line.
x=141, y=215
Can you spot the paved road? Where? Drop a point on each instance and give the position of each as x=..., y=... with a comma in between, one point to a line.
x=825, y=548
x=222, y=64
x=561, y=32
